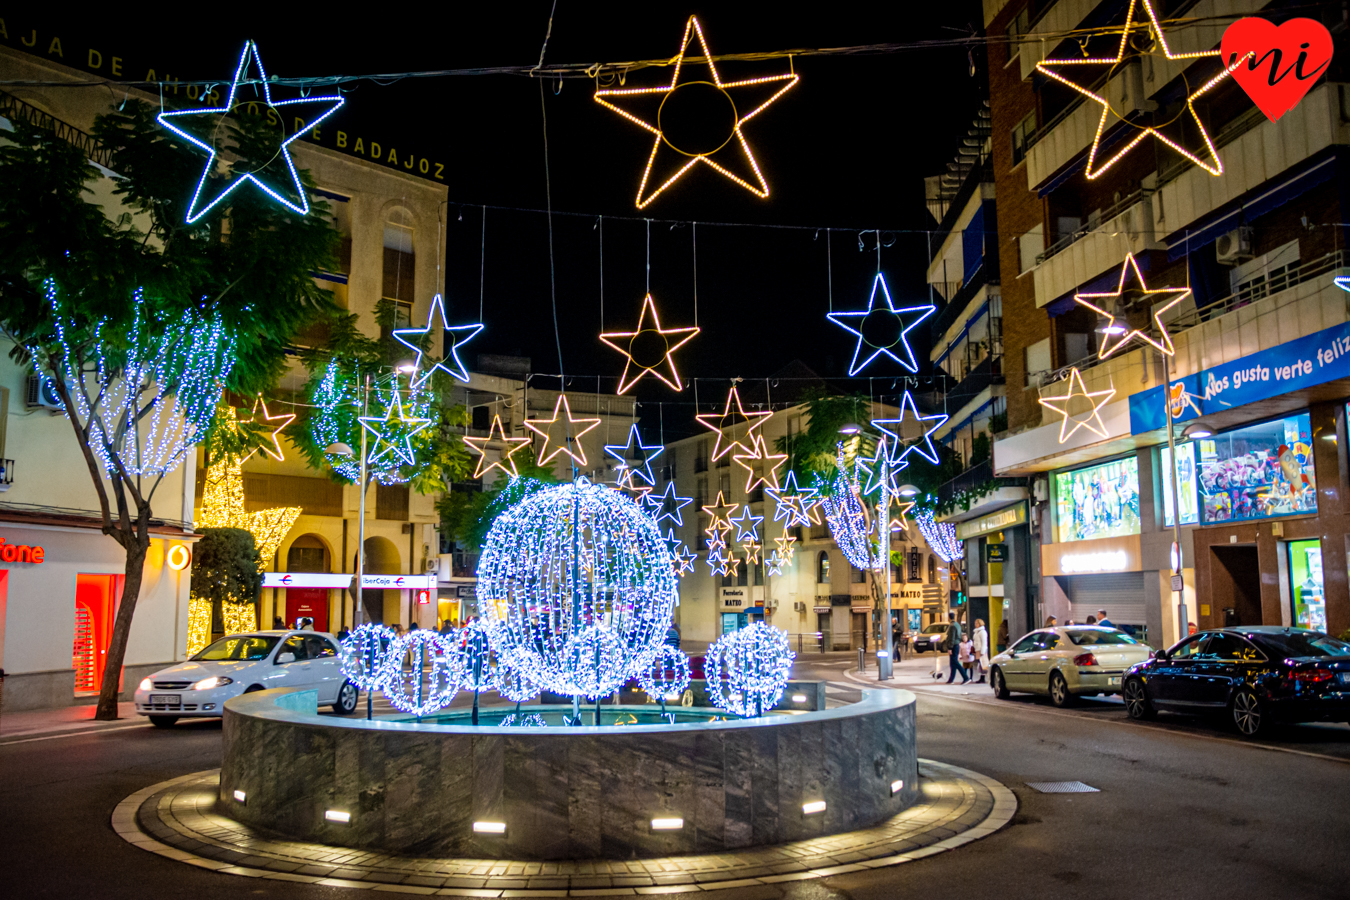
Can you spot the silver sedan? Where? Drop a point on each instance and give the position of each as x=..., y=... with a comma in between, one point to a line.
x=1065, y=663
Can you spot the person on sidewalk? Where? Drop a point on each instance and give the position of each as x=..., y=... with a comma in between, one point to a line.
x=980, y=638
x=953, y=642
x=1103, y=621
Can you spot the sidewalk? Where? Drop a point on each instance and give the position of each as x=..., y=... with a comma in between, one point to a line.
x=65, y=719
x=916, y=672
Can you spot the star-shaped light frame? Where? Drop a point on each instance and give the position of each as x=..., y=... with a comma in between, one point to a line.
x=872, y=466
x=607, y=98
x=747, y=525
x=634, y=449
x=719, y=422
x=853, y=322
x=752, y=552
x=1163, y=343
x=902, y=447
x=1214, y=165
x=560, y=431
x=667, y=505
x=772, y=462
x=720, y=511
x=401, y=446
x=623, y=341
x=166, y=119
x=1078, y=389
x=462, y=335
x=794, y=503
x=284, y=419
x=506, y=463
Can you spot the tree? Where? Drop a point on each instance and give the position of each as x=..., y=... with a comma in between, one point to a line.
x=139, y=321
x=225, y=573
x=468, y=516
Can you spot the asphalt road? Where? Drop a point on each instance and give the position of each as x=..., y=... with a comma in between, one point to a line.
x=1184, y=809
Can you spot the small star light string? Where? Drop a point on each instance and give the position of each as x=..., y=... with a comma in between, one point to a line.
x=1097, y=303
x=504, y=462
x=635, y=460
x=757, y=660
x=666, y=505
x=562, y=431
x=894, y=430
x=680, y=557
x=416, y=338
x=177, y=375
x=794, y=505
x=848, y=521
x=1211, y=163
x=752, y=552
x=277, y=111
x=649, y=349
x=431, y=679
x=668, y=675
x=578, y=588
x=393, y=432
x=729, y=418
x=782, y=554
x=766, y=473
x=881, y=330
x=941, y=536
x=676, y=98
x=1091, y=419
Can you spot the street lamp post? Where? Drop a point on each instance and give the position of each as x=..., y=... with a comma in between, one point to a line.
x=358, y=595
x=885, y=655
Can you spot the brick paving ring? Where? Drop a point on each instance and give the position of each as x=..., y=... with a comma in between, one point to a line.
x=177, y=819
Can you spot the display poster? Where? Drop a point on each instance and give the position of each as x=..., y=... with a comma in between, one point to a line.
x=1098, y=501
x=1305, y=580
x=913, y=620
x=1257, y=472
x=1190, y=513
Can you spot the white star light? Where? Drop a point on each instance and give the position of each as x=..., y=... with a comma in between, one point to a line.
x=462, y=335
x=877, y=328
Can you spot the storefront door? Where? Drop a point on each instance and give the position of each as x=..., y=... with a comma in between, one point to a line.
x=1307, y=598
x=95, y=600
x=307, y=602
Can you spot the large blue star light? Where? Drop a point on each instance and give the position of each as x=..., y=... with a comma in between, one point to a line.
x=881, y=330
x=635, y=450
x=747, y=524
x=903, y=447
x=329, y=104
x=462, y=334
x=871, y=466
x=666, y=505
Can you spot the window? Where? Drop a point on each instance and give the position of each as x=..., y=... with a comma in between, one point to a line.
x=701, y=457
x=253, y=647
x=1230, y=647
x=319, y=648
x=1190, y=649
x=1017, y=28
x=391, y=502
x=823, y=568
x=857, y=576
x=1026, y=644
x=1022, y=134
x=1030, y=246
x=701, y=492
x=1257, y=472
x=742, y=575
x=1037, y=360
x=794, y=426
x=759, y=574
x=294, y=644
x=1098, y=501
x=932, y=569
x=724, y=481
x=399, y=256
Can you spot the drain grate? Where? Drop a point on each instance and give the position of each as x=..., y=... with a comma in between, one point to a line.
x=1062, y=787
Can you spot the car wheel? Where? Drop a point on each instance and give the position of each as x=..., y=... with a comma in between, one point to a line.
x=1137, y=703
x=1248, y=713
x=1059, y=691
x=999, y=684
x=346, y=699
x=163, y=721
x=253, y=688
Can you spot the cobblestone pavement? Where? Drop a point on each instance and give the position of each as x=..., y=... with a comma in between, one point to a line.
x=177, y=819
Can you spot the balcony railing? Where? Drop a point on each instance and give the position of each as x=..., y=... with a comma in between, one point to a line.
x=987, y=273
x=1106, y=216
x=982, y=473
x=14, y=109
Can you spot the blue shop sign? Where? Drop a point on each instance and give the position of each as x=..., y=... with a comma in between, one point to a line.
x=1308, y=361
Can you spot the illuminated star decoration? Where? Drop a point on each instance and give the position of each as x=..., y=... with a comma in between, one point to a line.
x=558, y=432
x=1164, y=340
x=649, y=349
x=329, y=102
x=462, y=334
x=768, y=474
x=747, y=525
x=922, y=445
x=881, y=330
x=719, y=422
x=505, y=463
x=665, y=153
x=1343, y=282
x=667, y=505
x=274, y=450
x=1084, y=420
x=752, y=551
x=899, y=521
x=721, y=511
x=794, y=503
x=681, y=558
x=1212, y=164
x=634, y=450
x=872, y=466
x=782, y=555
x=404, y=427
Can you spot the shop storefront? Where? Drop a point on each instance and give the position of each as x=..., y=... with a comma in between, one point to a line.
x=989, y=541
x=314, y=594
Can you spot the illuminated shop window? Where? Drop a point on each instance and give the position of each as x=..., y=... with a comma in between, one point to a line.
x=1098, y=501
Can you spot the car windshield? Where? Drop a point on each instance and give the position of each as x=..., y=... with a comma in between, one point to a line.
x=239, y=647
x=1099, y=636
x=935, y=628
x=1301, y=643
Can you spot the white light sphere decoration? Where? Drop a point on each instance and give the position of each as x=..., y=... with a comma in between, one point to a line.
x=757, y=660
x=572, y=570
x=363, y=654
x=667, y=676
x=429, y=680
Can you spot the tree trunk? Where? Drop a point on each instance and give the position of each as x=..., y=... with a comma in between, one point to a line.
x=137, y=545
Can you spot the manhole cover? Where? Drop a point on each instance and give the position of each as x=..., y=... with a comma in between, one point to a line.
x=1062, y=787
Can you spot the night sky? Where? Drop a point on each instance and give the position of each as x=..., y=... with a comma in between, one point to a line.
x=847, y=149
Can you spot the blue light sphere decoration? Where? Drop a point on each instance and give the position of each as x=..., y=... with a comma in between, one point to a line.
x=364, y=651
x=577, y=586
x=757, y=660
x=473, y=649
x=431, y=677
x=514, y=686
x=667, y=676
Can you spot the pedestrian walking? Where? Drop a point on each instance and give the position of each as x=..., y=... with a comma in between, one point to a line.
x=1050, y=622
x=953, y=642
x=980, y=637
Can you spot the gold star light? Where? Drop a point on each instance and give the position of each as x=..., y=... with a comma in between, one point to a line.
x=768, y=473
x=1083, y=420
x=1211, y=162
x=752, y=551
x=505, y=462
x=721, y=511
x=1164, y=340
x=719, y=422
x=281, y=422
x=649, y=349
x=689, y=101
x=558, y=432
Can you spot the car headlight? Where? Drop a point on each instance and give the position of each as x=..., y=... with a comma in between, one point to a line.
x=214, y=681
x=145, y=684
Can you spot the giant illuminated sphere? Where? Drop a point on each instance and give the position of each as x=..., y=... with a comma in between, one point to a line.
x=578, y=587
x=755, y=662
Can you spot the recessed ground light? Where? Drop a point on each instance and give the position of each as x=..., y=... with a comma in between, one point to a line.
x=337, y=815
x=667, y=824
x=815, y=806
x=489, y=827
x=897, y=787
x=241, y=796
x=798, y=698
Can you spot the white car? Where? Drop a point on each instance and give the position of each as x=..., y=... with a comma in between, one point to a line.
x=241, y=664
x=1065, y=663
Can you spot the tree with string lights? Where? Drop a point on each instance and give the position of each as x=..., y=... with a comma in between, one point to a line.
x=139, y=322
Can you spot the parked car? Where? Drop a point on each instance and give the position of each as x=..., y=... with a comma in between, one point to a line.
x=241, y=664
x=930, y=638
x=1066, y=663
x=1254, y=675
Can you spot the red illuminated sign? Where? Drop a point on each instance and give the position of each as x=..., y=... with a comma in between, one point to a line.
x=424, y=597
x=20, y=553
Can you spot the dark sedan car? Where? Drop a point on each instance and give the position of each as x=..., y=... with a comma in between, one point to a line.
x=1256, y=675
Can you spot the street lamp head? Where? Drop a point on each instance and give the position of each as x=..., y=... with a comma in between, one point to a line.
x=339, y=449
x=406, y=365
x=907, y=490
x=850, y=428
x=1195, y=431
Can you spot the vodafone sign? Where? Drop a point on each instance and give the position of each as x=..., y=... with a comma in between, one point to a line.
x=21, y=553
x=340, y=581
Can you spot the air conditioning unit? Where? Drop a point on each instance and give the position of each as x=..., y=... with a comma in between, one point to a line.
x=39, y=394
x=433, y=563
x=1235, y=246
x=799, y=606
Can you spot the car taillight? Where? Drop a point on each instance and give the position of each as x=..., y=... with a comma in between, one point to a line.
x=1085, y=659
x=1312, y=676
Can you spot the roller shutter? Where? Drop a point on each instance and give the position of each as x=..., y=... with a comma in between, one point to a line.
x=1121, y=594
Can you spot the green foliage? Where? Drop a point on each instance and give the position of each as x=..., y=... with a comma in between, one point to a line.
x=468, y=517
x=225, y=566
x=980, y=448
x=812, y=451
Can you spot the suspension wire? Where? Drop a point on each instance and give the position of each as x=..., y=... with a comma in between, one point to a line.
x=695, y=230
x=649, y=256
x=601, y=226
x=552, y=270
x=482, y=266
x=829, y=268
